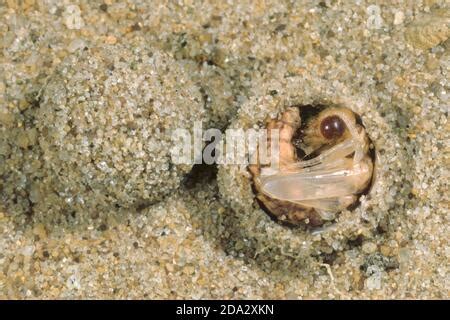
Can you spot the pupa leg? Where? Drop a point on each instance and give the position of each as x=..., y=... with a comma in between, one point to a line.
x=299, y=186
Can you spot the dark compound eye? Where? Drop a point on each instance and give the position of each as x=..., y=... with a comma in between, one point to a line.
x=332, y=127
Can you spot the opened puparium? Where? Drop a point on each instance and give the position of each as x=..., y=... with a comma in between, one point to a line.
x=326, y=161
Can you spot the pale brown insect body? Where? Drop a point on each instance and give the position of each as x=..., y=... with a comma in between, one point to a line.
x=336, y=169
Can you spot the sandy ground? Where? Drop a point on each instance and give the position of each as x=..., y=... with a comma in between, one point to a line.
x=392, y=54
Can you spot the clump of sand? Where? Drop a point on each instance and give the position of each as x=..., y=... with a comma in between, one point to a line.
x=105, y=127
